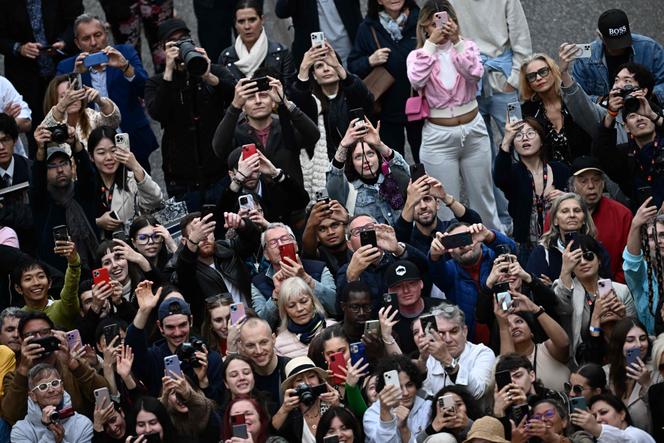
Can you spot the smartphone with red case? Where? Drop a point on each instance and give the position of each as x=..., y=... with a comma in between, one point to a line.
x=239, y=426
x=248, y=150
x=337, y=361
x=100, y=275
x=287, y=250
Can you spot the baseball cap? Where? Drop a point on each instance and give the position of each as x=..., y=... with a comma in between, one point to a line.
x=614, y=27
x=58, y=149
x=401, y=270
x=585, y=163
x=173, y=306
x=167, y=28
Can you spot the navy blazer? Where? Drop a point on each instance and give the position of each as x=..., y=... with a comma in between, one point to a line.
x=128, y=95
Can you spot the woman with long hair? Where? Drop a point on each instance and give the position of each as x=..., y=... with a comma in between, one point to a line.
x=531, y=183
x=366, y=176
x=256, y=418
x=589, y=380
x=150, y=417
x=64, y=104
x=340, y=422
x=642, y=264
x=630, y=379
x=215, y=327
x=125, y=189
x=455, y=420
x=539, y=85
x=152, y=241
x=446, y=69
x=384, y=39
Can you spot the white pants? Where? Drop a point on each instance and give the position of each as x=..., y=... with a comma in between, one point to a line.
x=453, y=153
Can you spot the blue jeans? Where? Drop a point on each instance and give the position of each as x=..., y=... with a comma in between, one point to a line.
x=496, y=107
x=5, y=430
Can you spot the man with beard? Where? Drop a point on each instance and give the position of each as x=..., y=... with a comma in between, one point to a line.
x=324, y=235
x=461, y=271
x=206, y=267
x=9, y=336
x=423, y=200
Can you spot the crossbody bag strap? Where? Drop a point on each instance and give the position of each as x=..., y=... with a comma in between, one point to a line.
x=375, y=37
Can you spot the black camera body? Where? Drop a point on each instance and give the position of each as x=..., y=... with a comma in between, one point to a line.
x=59, y=133
x=194, y=61
x=309, y=394
x=50, y=344
x=186, y=352
x=630, y=103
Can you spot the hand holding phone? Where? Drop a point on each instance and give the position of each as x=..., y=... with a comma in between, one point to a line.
x=514, y=112
x=248, y=150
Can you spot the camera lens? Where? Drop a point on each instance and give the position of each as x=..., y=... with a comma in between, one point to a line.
x=194, y=60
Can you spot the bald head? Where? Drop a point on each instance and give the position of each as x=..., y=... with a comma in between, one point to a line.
x=257, y=342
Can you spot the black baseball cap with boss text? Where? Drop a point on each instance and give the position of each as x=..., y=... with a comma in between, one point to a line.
x=614, y=27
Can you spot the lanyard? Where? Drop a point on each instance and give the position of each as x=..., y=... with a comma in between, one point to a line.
x=635, y=153
x=539, y=200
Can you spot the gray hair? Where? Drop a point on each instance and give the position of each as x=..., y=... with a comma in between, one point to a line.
x=572, y=179
x=274, y=225
x=291, y=287
x=553, y=233
x=87, y=18
x=39, y=371
x=450, y=312
x=352, y=219
x=11, y=311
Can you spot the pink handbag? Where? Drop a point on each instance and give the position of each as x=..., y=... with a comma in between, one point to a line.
x=417, y=108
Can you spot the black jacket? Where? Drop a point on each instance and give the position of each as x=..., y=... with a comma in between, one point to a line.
x=352, y=94
x=198, y=281
x=16, y=213
x=185, y=146
x=512, y=178
x=291, y=131
x=305, y=20
x=278, y=62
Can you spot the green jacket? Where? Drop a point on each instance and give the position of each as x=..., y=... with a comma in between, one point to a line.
x=63, y=312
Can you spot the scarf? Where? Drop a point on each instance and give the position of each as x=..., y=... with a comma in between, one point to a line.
x=314, y=168
x=249, y=61
x=305, y=333
x=393, y=26
x=77, y=222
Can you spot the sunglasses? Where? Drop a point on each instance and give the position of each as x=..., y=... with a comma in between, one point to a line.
x=588, y=256
x=43, y=387
x=542, y=72
x=577, y=389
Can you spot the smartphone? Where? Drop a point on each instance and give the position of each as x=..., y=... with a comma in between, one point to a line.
x=604, y=286
x=570, y=237
x=240, y=431
x=208, y=209
x=501, y=287
x=122, y=141
x=440, y=18
x=248, y=150
x=102, y=397
x=110, y=332
x=95, y=59
x=428, y=323
x=359, y=114
x=514, y=112
x=643, y=193
x=392, y=378
x=100, y=275
x=317, y=39
x=152, y=438
x=262, y=83
x=237, y=313
x=331, y=439
x=391, y=299
x=578, y=403
x=372, y=326
x=504, y=300
x=113, y=215
x=446, y=403
x=417, y=171
x=457, y=240
x=172, y=366
x=49, y=344
x=60, y=233
x=246, y=202
x=631, y=355
x=503, y=250
x=582, y=50
x=368, y=238
x=75, y=81
x=120, y=234
x=73, y=338
x=519, y=412
x=503, y=378
x=357, y=352
x=287, y=250
x=337, y=361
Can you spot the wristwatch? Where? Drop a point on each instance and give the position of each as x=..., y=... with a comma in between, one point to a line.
x=401, y=245
x=452, y=366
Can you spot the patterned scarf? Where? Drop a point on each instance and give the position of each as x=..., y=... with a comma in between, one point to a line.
x=305, y=333
x=393, y=26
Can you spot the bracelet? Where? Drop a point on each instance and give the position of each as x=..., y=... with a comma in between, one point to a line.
x=593, y=329
x=124, y=71
x=539, y=312
x=611, y=113
x=279, y=177
x=390, y=342
x=192, y=242
x=450, y=203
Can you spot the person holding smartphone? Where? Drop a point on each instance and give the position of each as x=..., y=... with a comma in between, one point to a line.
x=453, y=410
x=149, y=416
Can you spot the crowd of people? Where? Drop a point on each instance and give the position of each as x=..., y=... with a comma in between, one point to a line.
x=295, y=279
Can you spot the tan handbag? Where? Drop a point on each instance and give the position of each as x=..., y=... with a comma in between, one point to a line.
x=379, y=79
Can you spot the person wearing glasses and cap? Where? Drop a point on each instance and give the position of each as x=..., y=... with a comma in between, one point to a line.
x=47, y=402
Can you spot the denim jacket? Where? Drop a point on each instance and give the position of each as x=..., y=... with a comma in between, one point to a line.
x=592, y=73
x=368, y=202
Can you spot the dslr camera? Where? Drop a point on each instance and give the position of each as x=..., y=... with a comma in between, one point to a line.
x=186, y=352
x=631, y=103
x=193, y=60
x=59, y=133
x=308, y=394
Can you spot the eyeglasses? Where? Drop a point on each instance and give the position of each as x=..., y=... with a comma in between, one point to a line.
x=577, y=389
x=144, y=239
x=355, y=307
x=284, y=239
x=46, y=332
x=43, y=387
x=368, y=227
x=548, y=415
x=543, y=73
x=58, y=165
x=529, y=135
x=588, y=256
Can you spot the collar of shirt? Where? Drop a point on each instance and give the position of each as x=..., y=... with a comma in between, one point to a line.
x=9, y=171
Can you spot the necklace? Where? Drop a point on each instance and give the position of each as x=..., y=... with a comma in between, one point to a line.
x=309, y=418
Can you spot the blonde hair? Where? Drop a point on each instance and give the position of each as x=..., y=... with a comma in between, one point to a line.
x=426, y=15
x=553, y=233
x=527, y=92
x=51, y=99
x=291, y=287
